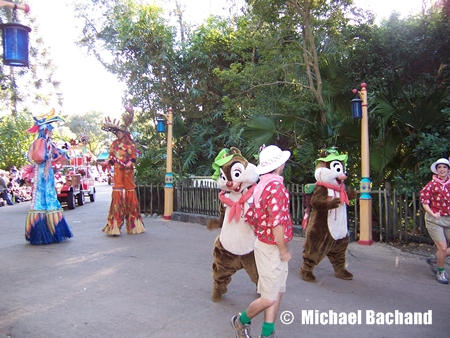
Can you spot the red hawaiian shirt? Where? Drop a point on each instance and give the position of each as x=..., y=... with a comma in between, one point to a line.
x=437, y=195
x=273, y=211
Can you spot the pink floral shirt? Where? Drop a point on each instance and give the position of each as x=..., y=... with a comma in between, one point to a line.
x=273, y=210
x=437, y=195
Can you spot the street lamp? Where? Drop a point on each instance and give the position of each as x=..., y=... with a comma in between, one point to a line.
x=359, y=111
x=15, y=38
x=160, y=127
x=168, y=187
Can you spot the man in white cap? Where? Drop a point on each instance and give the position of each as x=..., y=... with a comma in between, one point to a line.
x=435, y=199
x=270, y=217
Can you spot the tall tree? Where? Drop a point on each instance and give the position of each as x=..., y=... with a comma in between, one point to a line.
x=309, y=20
x=89, y=124
x=161, y=72
x=409, y=96
x=280, y=73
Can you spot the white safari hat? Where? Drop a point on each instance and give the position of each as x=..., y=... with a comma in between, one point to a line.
x=440, y=161
x=270, y=158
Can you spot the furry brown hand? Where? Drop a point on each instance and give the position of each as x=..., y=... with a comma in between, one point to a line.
x=334, y=203
x=351, y=193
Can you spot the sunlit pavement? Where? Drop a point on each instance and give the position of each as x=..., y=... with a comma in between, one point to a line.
x=158, y=284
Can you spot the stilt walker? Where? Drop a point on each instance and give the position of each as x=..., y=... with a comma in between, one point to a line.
x=122, y=155
x=45, y=222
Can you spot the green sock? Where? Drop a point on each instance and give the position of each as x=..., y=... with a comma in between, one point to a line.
x=244, y=319
x=267, y=329
x=441, y=269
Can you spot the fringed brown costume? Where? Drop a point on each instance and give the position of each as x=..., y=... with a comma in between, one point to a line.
x=327, y=232
x=233, y=247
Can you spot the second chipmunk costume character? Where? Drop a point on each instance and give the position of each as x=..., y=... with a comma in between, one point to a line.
x=327, y=230
x=233, y=248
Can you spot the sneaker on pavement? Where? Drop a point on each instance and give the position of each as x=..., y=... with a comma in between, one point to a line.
x=441, y=277
x=273, y=335
x=432, y=261
x=241, y=330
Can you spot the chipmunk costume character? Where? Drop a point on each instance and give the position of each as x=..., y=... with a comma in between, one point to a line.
x=233, y=248
x=122, y=155
x=327, y=232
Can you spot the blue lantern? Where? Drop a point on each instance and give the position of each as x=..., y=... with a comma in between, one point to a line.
x=357, y=108
x=15, y=44
x=160, y=128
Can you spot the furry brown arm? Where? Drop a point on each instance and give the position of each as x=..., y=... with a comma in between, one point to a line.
x=320, y=202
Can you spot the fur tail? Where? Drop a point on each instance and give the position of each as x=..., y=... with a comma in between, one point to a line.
x=213, y=223
x=216, y=223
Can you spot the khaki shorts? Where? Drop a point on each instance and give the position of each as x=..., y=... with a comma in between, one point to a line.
x=272, y=271
x=439, y=229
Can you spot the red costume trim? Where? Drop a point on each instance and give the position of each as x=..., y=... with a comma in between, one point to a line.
x=236, y=207
x=341, y=188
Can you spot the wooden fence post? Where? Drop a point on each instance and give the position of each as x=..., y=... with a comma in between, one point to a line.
x=389, y=211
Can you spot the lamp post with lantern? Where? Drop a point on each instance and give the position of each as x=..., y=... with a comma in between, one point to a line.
x=168, y=187
x=360, y=111
x=15, y=38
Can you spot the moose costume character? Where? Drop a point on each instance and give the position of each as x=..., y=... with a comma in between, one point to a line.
x=233, y=247
x=327, y=232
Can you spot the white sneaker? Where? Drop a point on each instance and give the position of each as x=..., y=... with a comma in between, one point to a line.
x=442, y=277
x=273, y=335
x=241, y=330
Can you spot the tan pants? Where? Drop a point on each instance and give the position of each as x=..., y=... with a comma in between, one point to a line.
x=439, y=229
x=272, y=271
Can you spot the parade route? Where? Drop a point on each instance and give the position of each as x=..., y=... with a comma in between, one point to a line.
x=158, y=285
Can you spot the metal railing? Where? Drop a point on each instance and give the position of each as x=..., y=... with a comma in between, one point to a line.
x=395, y=216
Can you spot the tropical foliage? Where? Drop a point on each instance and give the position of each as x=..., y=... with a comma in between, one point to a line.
x=15, y=140
x=25, y=91
x=89, y=125
x=280, y=71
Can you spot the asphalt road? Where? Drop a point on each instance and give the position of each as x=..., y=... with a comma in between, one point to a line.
x=158, y=284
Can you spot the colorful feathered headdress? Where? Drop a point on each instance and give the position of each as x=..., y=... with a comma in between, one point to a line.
x=44, y=121
x=120, y=125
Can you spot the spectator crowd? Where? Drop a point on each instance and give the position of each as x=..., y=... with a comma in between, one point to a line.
x=13, y=188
